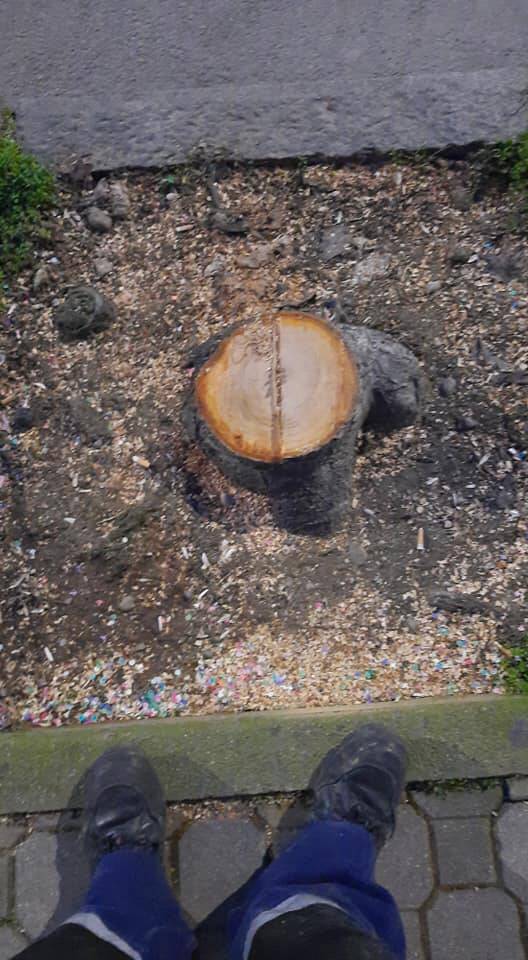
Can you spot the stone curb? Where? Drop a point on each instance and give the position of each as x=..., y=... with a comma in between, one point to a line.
x=245, y=754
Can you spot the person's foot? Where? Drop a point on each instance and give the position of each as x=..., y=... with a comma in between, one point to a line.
x=361, y=781
x=124, y=805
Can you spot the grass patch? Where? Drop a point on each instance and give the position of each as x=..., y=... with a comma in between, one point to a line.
x=503, y=166
x=27, y=190
x=515, y=668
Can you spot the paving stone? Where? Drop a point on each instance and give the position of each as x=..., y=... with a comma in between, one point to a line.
x=413, y=935
x=474, y=925
x=51, y=876
x=46, y=821
x=465, y=852
x=460, y=803
x=10, y=834
x=518, y=788
x=11, y=943
x=404, y=865
x=36, y=882
x=512, y=835
x=272, y=813
x=216, y=857
x=5, y=883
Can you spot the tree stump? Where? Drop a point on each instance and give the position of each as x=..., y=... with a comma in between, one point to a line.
x=280, y=401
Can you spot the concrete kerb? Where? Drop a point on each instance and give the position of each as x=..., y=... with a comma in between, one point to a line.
x=231, y=755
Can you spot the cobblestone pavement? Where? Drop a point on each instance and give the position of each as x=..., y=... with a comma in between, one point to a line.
x=457, y=865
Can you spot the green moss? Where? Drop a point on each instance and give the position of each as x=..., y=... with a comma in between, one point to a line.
x=27, y=189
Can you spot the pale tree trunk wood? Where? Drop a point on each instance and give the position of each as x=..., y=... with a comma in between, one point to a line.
x=278, y=404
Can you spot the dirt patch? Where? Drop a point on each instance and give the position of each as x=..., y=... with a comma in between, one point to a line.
x=137, y=581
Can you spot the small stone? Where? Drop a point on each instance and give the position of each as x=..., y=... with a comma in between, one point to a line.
x=356, y=554
x=83, y=313
x=171, y=199
x=126, y=604
x=99, y=221
x=465, y=853
x=447, y=387
x=474, y=924
x=100, y=192
x=465, y=424
x=334, y=242
x=23, y=420
x=433, y=286
x=258, y=257
x=215, y=267
x=11, y=943
x=461, y=198
x=119, y=201
x=517, y=789
x=374, y=267
x=103, y=267
x=229, y=223
x=41, y=279
x=458, y=254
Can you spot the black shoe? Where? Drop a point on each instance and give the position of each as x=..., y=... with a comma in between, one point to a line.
x=124, y=805
x=361, y=780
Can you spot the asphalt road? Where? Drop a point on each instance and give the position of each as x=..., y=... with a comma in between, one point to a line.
x=142, y=82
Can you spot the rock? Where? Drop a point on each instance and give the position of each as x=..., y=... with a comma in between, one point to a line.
x=465, y=424
x=80, y=173
x=517, y=789
x=229, y=223
x=101, y=193
x=458, y=254
x=99, y=221
x=126, y=604
x=458, y=603
x=357, y=555
x=41, y=279
x=119, y=201
x=103, y=267
x=461, y=198
x=374, y=267
x=215, y=267
x=433, y=286
x=447, y=386
x=259, y=256
x=171, y=199
x=334, y=242
x=505, y=266
x=23, y=420
x=84, y=313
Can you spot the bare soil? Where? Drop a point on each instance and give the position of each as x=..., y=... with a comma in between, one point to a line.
x=105, y=504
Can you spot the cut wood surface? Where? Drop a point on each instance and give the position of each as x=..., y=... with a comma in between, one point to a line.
x=278, y=388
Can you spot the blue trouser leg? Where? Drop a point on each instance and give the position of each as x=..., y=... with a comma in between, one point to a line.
x=131, y=897
x=331, y=861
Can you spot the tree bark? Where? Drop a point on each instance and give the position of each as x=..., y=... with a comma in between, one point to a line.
x=278, y=404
